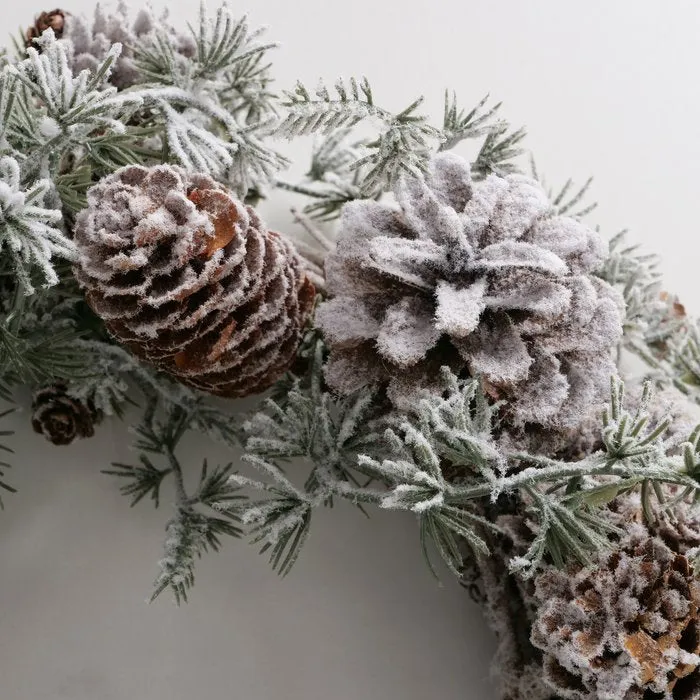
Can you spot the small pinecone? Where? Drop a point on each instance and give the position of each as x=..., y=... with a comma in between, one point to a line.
x=482, y=277
x=60, y=417
x=627, y=628
x=191, y=280
x=46, y=20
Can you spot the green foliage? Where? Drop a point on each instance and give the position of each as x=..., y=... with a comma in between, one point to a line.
x=443, y=461
x=5, y=450
x=459, y=124
x=197, y=526
x=143, y=479
x=29, y=358
x=58, y=111
x=213, y=109
x=444, y=465
x=28, y=232
x=342, y=171
x=500, y=147
x=189, y=535
x=564, y=201
x=402, y=146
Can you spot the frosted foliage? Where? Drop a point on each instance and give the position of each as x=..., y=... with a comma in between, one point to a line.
x=29, y=235
x=91, y=41
x=190, y=279
x=626, y=627
x=482, y=277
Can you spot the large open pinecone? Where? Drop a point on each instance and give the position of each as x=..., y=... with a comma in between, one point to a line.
x=627, y=628
x=191, y=280
x=478, y=276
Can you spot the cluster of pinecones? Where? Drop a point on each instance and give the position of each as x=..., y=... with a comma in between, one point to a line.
x=187, y=277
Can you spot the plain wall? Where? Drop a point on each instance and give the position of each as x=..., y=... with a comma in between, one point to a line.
x=606, y=89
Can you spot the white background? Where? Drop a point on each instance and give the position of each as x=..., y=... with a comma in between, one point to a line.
x=605, y=88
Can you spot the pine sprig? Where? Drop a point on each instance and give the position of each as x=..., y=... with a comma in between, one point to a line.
x=445, y=467
x=564, y=201
x=28, y=231
x=5, y=450
x=403, y=146
x=143, y=479
x=459, y=124
x=280, y=523
x=500, y=147
x=31, y=357
x=197, y=526
x=189, y=535
x=320, y=111
x=225, y=43
x=67, y=110
x=567, y=531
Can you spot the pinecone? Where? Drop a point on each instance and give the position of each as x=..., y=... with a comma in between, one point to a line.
x=60, y=417
x=55, y=20
x=627, y=628
x=481, y=277
x=92, y=40
x=190, y=279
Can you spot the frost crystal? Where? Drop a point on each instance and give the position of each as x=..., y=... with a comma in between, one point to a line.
x=483, y=277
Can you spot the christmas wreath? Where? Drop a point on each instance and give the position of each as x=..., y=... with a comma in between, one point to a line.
x=435, y=333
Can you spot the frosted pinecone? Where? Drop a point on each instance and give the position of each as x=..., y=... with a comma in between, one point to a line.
x=482, y=277
x=91, y=41
x=191, y=280
x=61, y=417
x=627, y=627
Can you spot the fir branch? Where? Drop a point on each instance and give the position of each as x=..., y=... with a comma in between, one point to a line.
x=32, y=357
x=403, y=145
x=500, y=147
x=215, y=486
x=203, y=136
x=280, y=522
x=68, y=110
x=655, y=326
x=564, y=202
x=142, y=479
x=189, y=535
x=5, y=449
x=224, y=44
x=567, y=532
x=195, y=528
x=334, y=155
x=452, y=434
x=28, y=234
x=321, y=112
x=458, y=124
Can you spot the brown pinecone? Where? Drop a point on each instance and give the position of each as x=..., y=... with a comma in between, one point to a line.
x=46, y=20
x=191, y=280
x=627, y=628
x=61, y=418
